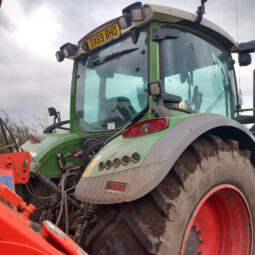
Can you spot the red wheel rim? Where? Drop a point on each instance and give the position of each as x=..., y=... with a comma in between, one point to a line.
x=221, y=224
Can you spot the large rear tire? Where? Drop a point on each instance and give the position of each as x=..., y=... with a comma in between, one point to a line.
x=205, y=205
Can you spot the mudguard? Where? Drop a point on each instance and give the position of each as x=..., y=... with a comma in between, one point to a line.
x=158, y=157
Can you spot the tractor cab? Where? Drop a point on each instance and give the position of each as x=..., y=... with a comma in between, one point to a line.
x=152, y=61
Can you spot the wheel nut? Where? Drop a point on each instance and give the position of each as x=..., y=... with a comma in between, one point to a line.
x=194, y=226
x=199, y=231
x=199, y=252
x=202, y=240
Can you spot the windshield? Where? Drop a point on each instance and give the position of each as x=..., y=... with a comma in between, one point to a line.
x=200, y=73
x=111, y=85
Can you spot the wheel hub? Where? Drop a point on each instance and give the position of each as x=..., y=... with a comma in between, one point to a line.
x=220, y=224
x=192, y=243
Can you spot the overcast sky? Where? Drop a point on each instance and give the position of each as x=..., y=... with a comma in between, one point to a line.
x=31, y=31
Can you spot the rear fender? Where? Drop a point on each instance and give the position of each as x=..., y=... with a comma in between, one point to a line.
x=159, y=160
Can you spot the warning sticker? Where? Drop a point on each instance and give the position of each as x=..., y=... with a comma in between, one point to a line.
x=111, y=125
x=8, y=181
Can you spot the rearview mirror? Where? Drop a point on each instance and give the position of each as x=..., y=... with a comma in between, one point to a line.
x=52, y=111
x=244, y=59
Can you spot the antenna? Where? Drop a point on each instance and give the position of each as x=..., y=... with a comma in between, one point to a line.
x=200, y=11
x=237, y=25
x=237, y=40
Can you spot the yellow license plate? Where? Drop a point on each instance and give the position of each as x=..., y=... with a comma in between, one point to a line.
x=104, y=36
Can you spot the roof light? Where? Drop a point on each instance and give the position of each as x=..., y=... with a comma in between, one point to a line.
x=130, y=7
x=34, y=138
x=85, y=46
x=124, y=21
x=67, y=50
x=137, y=14
x=146, y=127
x=118, y=186
x=60, y=56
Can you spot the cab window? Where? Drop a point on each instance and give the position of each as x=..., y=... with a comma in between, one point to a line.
x=200, y=73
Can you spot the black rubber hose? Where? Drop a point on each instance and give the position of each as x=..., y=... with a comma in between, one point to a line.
x=50, y=128
x=51, y=185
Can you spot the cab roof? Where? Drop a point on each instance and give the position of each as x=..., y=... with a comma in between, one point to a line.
x=175, y=16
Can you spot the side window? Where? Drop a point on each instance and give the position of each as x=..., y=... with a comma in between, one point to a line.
x=91, y=96
x=200, y=73
x=87, y=97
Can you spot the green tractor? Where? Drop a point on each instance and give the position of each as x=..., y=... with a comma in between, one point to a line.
x=156, y=160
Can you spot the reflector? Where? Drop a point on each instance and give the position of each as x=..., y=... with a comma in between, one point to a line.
x=34, y=139
x=116, y=186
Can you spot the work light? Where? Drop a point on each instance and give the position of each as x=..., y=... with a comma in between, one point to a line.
x=69, y=50
x=124, y=21
x=60, y=56
x=137, y=14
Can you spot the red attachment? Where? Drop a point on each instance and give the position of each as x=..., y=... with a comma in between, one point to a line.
x=17, y=237
x=146, y=127
x=54, y=235
x=13, y=248
x=16, y=165
x=221, y=224
x=34, y=138
x=11, y=197
x=116, y=186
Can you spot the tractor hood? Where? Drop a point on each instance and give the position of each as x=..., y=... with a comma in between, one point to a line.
x=46, y=150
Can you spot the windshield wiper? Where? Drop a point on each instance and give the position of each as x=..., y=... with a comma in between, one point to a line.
x=102, y=60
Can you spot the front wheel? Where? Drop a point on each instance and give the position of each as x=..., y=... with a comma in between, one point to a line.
x=205, y=205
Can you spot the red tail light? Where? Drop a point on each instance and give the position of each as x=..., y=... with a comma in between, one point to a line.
x=146, y=127
x=34, y=139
